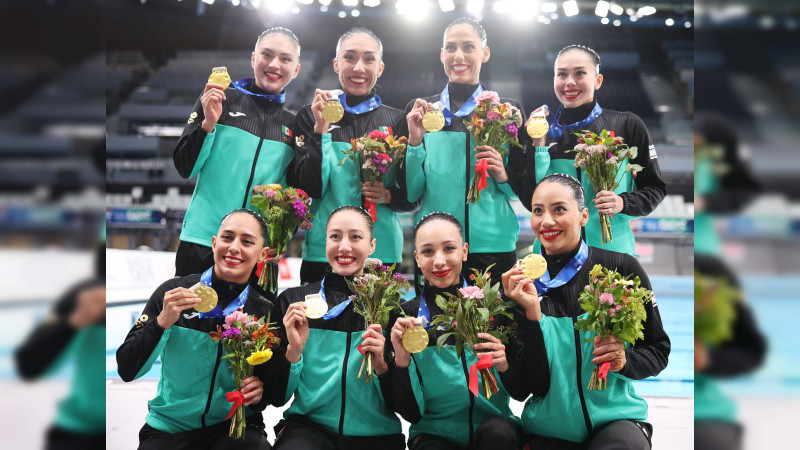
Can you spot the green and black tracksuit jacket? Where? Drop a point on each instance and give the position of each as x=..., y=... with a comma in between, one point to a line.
x=433, y=394
x=252, y=144
x=324, y=382
x=317, y=171
x=52, y=344
x=567, y=409
x=440, y=171
x=194, y=377
x=640, y=194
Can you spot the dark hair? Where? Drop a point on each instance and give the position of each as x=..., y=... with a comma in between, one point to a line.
x=471, y=22
x=360, y=30
x=280, y=30
x=570, y=182
x=261, y=222
x=365, y=215
x=436, y=215
x=593, y=56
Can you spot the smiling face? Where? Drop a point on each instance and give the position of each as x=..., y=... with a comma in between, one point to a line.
x=555, y=219
x=575, y=79
x=440, y=251
x=237, y=247
x=462, y=55
x=348, y=242
x=358, y=64
x=275, y=62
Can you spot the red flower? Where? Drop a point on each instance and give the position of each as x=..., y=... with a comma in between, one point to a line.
x=301, y=193
x=378, y=134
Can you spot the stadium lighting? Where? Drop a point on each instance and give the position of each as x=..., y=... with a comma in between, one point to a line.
x=617, y=22
x=279, y=6
x=305, y=2
x=549, y=7
x=342, y=14
x=570, y=8
x=602, y=8
x=634, y=18
x=235, y=2
x=501, y=6
x=616, y=9
x=325, y=2
x=475, y=7
x=350, y=2
x=670, y=22
x=371, y=3
x=355, y=13
x=208, y=2
x=412, y=8
x=687, y=24
x=519, y=10
x=446, y=5
x=604, y=20
x=646, y=11
x=295, y=10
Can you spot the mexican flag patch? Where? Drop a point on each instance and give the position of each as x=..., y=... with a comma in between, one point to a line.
x=286, y=131
x=387, y=130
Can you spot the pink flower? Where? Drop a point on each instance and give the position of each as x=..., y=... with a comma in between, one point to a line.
x=618, y=307
x=611, y=313
x=270, y=193
x=378, y=134
x=605, y=297
x=236, y=316
x=491, y=95
x=473, y=292
x=491, y=115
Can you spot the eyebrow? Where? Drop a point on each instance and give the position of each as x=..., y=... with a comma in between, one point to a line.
x=280, y=53
x=551, y=204
x=574, y=68
x=367, y=52
x=243, y=234
x=470, y=41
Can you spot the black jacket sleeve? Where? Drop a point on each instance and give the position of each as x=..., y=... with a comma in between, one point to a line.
x=744, y=353
x=143, y=338
x=738, y=186
x=403, y=399
x=650, y=188
x=399, y=192
x=48, y=340
x=190, y=143
x=306, y=170
x=649, y=356
x=528, y=370
x=515, y=164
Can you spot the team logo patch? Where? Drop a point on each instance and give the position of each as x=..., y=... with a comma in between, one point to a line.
x=236, y=114
x=387, y=130
x=141, y=321
x=653, y=152
x=300, y=140
x=192, y=116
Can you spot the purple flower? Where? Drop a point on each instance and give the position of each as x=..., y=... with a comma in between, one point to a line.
x=605, y=297
x=511, y=128
x=383, y=169
x=231, y=332
x=300, y=209
x=384, y=268
x=609, y=155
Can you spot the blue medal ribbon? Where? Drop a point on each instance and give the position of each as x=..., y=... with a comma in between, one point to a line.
x=233, y=306
x=557, y=130
x=424, y=314
x=544, y=283
x=243, y=84
x=336, y=310
x=466, y=108
x=366, y=106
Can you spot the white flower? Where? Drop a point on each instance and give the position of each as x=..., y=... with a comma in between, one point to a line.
x=372, y=263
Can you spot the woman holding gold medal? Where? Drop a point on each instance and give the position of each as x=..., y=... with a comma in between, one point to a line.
x=237, y=137
x=325, y=128
x=563, y=413
x=577, y=76
x=431, y=387
x=332, y=408
x=440, y=163
x=190, y=406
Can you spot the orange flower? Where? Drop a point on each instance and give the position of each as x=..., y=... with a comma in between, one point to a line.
x=215, y=335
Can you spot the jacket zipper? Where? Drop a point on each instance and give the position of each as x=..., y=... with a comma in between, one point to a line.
x=471, y=397
x=211, y=387
x=344, y=384
x=466, y=193
x=252, y=174
x=586, y=419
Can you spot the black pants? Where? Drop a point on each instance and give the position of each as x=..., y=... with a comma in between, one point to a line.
x=711, y=435
x=480, y=261
x=495, y=433
x=61, y=439
x=616, y=435
x=300, y=433
x=214, y=437
x=192, y=258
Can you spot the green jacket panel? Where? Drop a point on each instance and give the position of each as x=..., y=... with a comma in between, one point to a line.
x=83, y=410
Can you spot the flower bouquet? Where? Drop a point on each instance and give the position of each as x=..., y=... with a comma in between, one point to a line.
x=284, y=210
x=600, y=156
x=378, y=151
x=714, y=308
x=616, y=308
x=377, y=294
x=494, y=124
x=468, y=313
x=247, y=341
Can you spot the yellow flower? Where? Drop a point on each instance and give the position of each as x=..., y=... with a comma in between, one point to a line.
x=259, y=357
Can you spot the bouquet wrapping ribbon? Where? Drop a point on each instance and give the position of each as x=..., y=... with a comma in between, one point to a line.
x=361, y=350
x=603, y=372
x=482, y=170
x=484, y=362
x=373, y=212
x=260, y=268
x=238, y=400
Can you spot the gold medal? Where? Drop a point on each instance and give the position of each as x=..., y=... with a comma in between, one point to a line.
x=538, y=127
x=533, y=266
x=208, y=299
x=415, y=339
x=219, y=75
x=315, y=306
x=433, y=120
x=332, y=111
